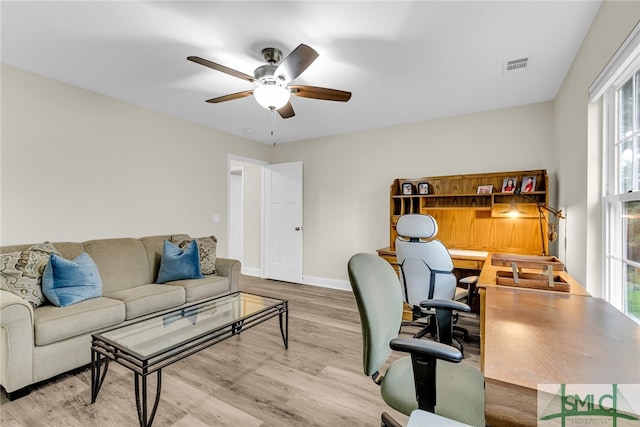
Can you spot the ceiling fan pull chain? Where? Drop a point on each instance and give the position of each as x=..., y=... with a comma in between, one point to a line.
x=273, y=125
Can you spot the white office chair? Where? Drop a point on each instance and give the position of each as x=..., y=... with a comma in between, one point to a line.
x=420, y=418
x=426, y=274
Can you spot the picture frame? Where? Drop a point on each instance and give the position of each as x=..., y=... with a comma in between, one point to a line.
x=423, y=188
x=509, y=185
x=485, y=189
x=407, y=189
x=528, y=184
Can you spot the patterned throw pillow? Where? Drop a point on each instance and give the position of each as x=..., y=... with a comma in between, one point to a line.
x=206, y=248
x=22, y=272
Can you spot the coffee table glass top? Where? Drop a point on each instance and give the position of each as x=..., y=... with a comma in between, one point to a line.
x=154, y=336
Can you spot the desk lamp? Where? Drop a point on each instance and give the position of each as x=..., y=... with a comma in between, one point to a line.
x=552, y=234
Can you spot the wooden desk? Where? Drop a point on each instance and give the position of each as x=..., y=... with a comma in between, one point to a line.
x=540, y=337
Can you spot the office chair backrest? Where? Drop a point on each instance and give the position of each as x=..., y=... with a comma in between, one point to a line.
x=425, y=265
x=379, y=298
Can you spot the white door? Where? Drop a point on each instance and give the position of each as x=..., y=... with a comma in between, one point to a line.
x=283, y=222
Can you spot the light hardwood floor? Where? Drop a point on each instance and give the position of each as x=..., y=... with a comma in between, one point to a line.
x=249, y=380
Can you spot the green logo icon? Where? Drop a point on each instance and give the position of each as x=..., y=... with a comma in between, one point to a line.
x=587, y=404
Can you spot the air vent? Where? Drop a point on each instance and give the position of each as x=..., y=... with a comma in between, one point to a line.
x=515, y=66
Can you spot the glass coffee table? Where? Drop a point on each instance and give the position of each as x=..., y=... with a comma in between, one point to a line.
x=147, y=346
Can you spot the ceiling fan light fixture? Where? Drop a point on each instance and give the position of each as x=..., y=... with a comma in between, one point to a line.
x=272, y=90
x=271, y=96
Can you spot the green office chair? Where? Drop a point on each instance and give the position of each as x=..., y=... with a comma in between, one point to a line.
x=431, y=379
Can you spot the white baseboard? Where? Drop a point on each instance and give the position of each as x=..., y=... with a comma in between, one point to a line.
x=321, y=282
x=251, y=271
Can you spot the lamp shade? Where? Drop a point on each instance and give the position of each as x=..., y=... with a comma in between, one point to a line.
x=271, y=96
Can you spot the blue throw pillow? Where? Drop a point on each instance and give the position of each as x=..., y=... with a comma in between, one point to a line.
x=179, y=264
x=67, y=282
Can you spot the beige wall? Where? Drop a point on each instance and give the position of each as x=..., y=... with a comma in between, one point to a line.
x=579, y=154
x=77, y=165
x=346, y=210
x=347, y=177
x=98, y=167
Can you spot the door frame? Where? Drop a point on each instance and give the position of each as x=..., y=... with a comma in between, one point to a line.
x=236, y=226
x=261, y=163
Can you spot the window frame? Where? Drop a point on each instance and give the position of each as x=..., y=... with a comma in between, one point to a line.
x=616, y=260
x=624, y=65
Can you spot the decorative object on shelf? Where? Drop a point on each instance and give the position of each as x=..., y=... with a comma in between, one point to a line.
x=485, y=189
x=423, y=188
x=552, y=234
x=509, y=185
x=407, y=189
x=528, y=184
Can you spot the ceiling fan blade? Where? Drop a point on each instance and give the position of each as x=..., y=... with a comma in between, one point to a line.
x=320, y=93
x=286, y=111
x=230, y=97
x=222, y=68
x=294, y=64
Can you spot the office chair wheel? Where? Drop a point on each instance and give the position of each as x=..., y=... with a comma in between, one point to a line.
x=387, y=421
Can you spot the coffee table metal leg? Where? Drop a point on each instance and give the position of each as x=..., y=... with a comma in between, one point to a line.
x=144, y=418
x=237, y=327
x=97, y=373
x=284, y=329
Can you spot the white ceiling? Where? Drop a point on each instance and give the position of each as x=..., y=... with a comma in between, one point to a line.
x=404, y=61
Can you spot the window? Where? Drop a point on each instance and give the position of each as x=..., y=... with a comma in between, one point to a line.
x=619, y=87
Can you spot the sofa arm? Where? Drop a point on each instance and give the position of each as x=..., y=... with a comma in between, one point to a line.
x=16, y=342
x=229, y=268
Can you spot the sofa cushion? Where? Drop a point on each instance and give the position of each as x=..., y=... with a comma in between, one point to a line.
x=153, y=245
x=148, y=299
x=53, y=323
x=21, y=272
x=67, y=282
x=179, y=264
x=207, y=247
x=209, y=287
x=122, y=262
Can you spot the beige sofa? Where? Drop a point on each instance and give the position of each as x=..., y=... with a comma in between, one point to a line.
x=37, y=344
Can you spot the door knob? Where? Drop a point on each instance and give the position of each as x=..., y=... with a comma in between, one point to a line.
x=298, y=228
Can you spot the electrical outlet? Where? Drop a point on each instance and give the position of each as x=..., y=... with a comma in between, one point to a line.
x=216, y=217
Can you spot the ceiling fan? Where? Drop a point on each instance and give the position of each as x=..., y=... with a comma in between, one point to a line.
x=273, y=79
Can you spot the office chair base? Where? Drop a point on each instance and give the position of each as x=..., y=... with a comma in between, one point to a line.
x=465, y=333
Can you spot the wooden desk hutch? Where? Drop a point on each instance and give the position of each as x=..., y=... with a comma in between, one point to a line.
x=470, y=219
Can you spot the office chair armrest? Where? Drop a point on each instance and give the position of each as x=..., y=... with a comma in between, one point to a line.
x=422, y=348
x=444, y=303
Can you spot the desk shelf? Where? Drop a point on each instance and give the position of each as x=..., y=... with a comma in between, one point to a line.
x=468, y=218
